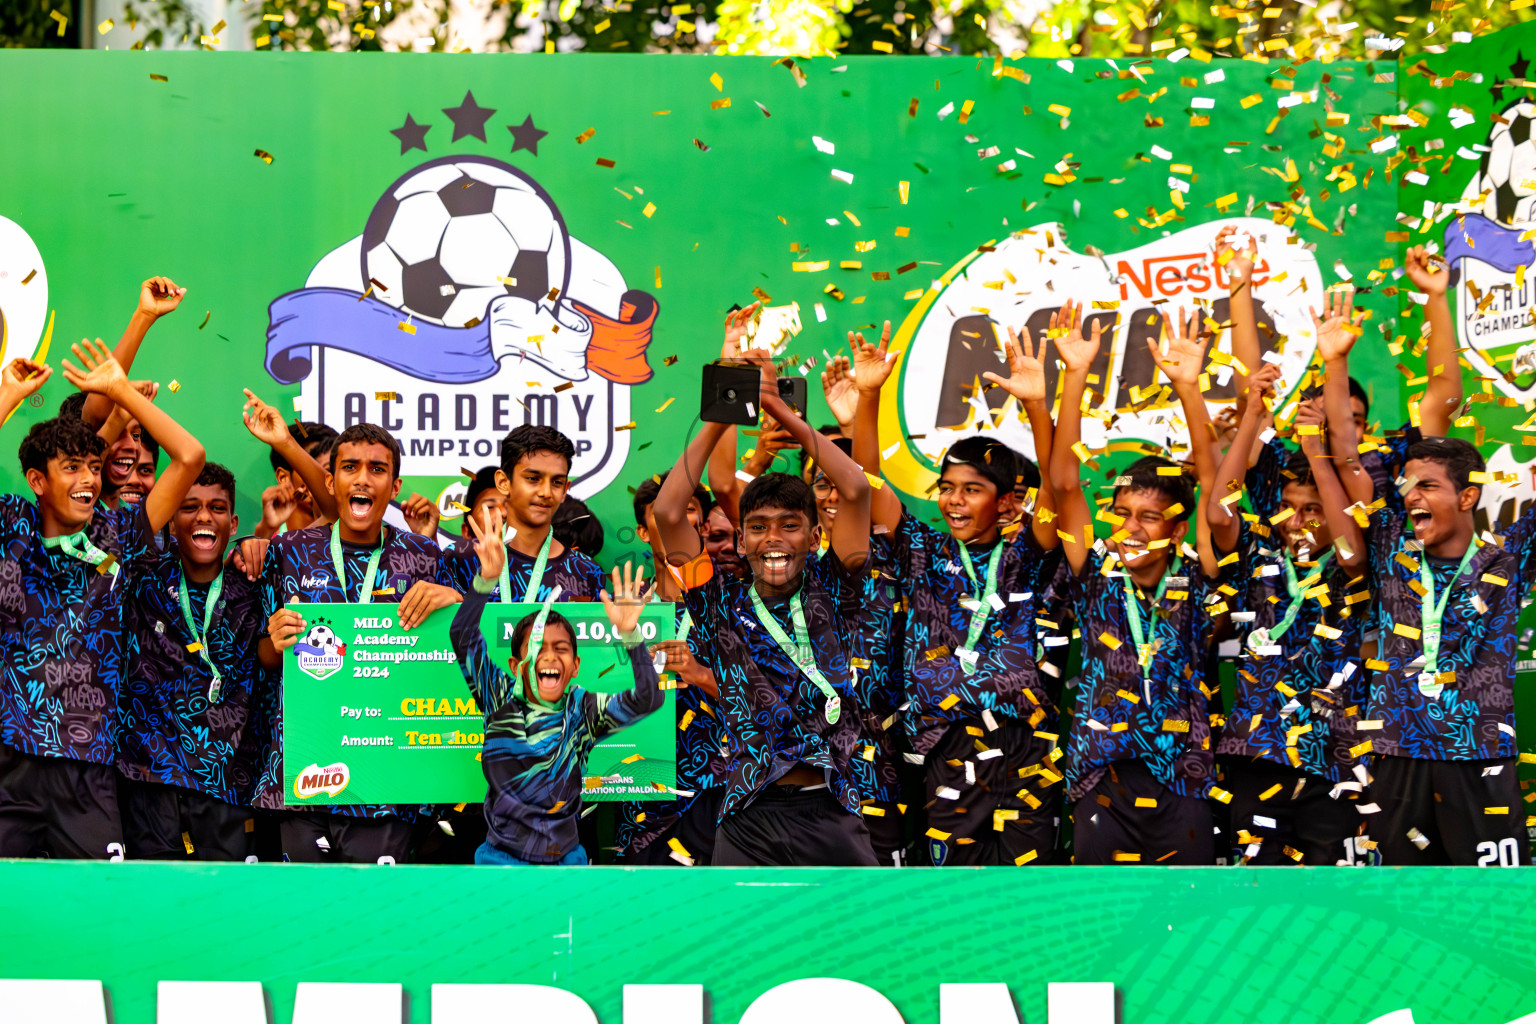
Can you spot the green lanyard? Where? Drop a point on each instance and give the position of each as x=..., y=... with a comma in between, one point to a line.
x=1133, y=612
x=78, y=545
x=984, y=601
x=800, y=651
x=1263, y=637
x=1432, y=612
x=215, y=688
x=365, y=588
x=534, y=579
x=684, y=626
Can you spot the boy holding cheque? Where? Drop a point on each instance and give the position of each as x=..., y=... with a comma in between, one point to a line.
x=539, y=728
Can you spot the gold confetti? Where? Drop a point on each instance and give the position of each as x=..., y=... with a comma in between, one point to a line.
x=158, y=78
x=175, y=386
x=408, y=328
x=718, y=82
x=264, y=155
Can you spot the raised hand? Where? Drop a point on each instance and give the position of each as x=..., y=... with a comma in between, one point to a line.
x=102, y=373
x=1236, y=263
x=1339, y=326
x=489, y=546
x=249, y=557
x=1262, y=385
x=1076, y=352
x=1310, y=414
x=23, y=377
x=736, y=325
x=1026, y=367
x=872, y=364
x=771, y=439
x=421, y=515
x=1428, y=272
x=159, y=296
x=628, y=599
x=838, y=387
x=277, y=505
x=263, y=421
x=1185, y=357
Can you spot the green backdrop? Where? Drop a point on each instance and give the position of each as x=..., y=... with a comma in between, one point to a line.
x=1181, y=945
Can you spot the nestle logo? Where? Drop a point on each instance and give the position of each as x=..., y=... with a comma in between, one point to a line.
x=319, y=580
x=1194, y=272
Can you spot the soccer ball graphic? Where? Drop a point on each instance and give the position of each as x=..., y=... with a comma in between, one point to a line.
x=1509, y=167
x=322, y=638
x=455, y=233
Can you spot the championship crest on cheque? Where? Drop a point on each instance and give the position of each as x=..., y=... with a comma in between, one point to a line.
x=319, y=652
x=462, y=309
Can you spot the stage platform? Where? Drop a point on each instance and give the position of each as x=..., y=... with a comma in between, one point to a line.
x=958, y=946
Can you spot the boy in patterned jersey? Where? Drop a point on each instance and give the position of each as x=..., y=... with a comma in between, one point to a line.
x=63, y=564
x=355, y=559
x=538, y=728
x=780, y=649
x=973, y=689
x=1140, y=755
x=650, y=831
x=533, y=479
x=878, y=752
x=1440, y=723
x=185, y=747
x=1286, y=753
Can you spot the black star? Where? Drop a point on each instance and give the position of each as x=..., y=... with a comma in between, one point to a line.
x=411, y=135
x=469, y=118
x=526, y=136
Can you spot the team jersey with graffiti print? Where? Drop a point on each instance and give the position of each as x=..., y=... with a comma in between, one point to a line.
x=62, y=625
x=535, y=758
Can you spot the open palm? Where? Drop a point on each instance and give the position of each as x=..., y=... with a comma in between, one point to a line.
x=1026, y=367
x=1185, y=357
x=1338, y=327
x=872, y=364
x=1076, y=352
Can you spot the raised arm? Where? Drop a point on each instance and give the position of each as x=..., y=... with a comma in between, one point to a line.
x=724, y=484
x=1443, y=393
x=267, y=425
x=1348, y=537
x=678, y=536
x=850, y=531
x=1221, y=500
x=617, y=710
x=492, y=686
x=1237, y=266
x=20, y=380
x=872, y=367
x=103, y=375
x=157, y=297
x=1183, y=363
x=1026, y=382
x=1336, y=333
x=1072, y=510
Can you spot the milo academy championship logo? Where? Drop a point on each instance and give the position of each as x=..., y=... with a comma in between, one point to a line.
x=462, y=309
x=952, y=336
x=320, y=653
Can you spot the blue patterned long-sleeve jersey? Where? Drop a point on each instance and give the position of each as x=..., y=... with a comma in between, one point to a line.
x=775, y=715
x=1297, y=705
x=877, y=657
x=703, y=758
x=1158, y=716
x=298, y=568
x=171, y=733
x=535, y=758
x=1473, y=717
x=61, y=633
x=936, y=592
